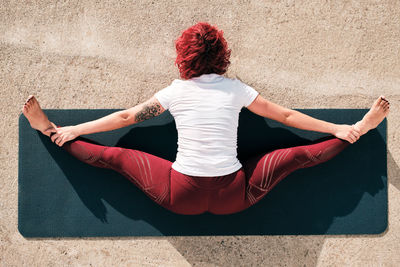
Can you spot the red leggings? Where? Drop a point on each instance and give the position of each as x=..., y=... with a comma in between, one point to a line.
x=184, y=194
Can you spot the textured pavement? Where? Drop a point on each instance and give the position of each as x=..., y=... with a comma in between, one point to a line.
x=116, y=54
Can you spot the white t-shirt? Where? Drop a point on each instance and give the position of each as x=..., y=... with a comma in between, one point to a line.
x=206, y=112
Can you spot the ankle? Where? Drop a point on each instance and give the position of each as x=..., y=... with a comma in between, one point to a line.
x=362, y=127
x=47, y=131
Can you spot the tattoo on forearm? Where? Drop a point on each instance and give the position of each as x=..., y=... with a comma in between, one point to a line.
x=148, y=111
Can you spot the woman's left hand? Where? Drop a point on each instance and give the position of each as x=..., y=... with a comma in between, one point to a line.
x=63, y=134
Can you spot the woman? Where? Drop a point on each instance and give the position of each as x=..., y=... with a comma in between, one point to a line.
x=206, y=175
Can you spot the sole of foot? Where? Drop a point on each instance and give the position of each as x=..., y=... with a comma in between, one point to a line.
x=35, y=115
x=376, y=114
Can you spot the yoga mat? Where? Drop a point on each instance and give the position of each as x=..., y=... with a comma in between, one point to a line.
x=59, y=196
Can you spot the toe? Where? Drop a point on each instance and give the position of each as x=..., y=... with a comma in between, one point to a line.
x=30, y=98
x=378, y=101
x=384, y=99
x=34, y=100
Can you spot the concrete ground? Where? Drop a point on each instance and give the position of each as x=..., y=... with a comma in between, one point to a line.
x=115, y=54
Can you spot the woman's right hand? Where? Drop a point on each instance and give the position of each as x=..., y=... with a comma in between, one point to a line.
x=347, y=132
x=63, y=134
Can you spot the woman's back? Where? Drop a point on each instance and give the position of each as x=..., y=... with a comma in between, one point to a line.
x=206, y=111
x=206, y=108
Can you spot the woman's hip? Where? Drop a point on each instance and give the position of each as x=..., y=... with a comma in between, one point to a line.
x=218, y=195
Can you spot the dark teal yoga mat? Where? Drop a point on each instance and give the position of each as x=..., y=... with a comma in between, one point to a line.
x=59, y=196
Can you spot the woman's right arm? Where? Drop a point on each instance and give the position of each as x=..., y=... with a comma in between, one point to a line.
x=294, y=118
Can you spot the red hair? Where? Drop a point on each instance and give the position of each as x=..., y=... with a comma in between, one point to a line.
x=201, y=49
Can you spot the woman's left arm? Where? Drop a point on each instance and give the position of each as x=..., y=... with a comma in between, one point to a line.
x=123, y=118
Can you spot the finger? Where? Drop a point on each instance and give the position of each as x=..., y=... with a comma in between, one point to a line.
x=357, y=131
x=59, y=140
x=54, y=137
x=355, y=128
x=352, y=138
x=356, y=137
x=52, y=134
x=64, y=141
x=356, y=134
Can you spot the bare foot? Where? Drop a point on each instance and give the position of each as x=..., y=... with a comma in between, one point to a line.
x=35, y=115
x=378, y=111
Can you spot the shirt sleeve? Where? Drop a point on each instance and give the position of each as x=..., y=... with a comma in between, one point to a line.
x=248, y=94
x=165, y=96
